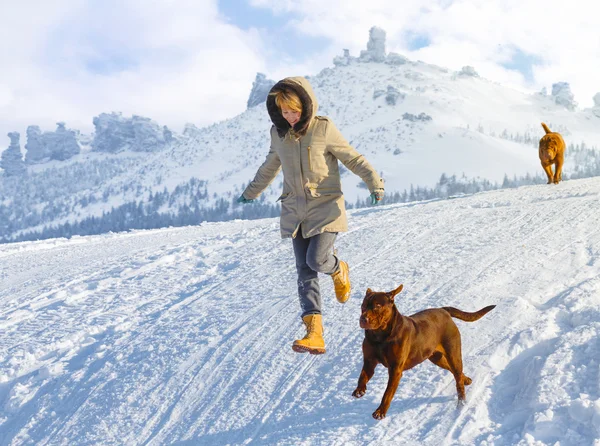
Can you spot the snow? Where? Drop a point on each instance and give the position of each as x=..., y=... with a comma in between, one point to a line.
x=472, y=123
x=183, y=335
x=228, y=153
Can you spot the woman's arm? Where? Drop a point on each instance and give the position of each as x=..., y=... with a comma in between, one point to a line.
x=264, y=176
x=358, y=164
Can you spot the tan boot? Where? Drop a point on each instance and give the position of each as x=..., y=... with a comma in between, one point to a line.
x=341, y=282
x=313, y=342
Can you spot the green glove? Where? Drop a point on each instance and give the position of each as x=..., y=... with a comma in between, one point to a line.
x=377, y=196
x=244, y=200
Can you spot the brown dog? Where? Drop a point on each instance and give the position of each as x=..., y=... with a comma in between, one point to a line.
x=400, y=343
x=552, y=151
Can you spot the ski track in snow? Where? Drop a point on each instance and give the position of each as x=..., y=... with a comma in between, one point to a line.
x=182, y=336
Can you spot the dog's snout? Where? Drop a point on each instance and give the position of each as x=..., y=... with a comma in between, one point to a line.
x=363, y=320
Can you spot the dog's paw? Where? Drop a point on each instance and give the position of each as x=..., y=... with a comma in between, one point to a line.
x=358, y=392
x=460, y=404
x=379, y=414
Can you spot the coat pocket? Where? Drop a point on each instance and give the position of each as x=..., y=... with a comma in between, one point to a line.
x=316, y=192
x=283, y=196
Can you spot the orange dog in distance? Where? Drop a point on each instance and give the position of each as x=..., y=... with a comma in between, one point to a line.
x=552, y=151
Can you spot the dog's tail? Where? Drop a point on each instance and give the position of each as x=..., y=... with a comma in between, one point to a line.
x=546, y=128
x=468, y=317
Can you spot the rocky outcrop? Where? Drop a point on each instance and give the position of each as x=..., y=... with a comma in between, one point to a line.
x=421, y=117
x=562, y=95
x=168, y=135
x=375, y=51
x=392, y=94
x=468, y=71
x=340, y=61
x=37, y=152
x=190, y=130
x=12, y=158
x=114, y=133
x=260, y=89
x=596, y=107
x=396, y=59
x=58, y=145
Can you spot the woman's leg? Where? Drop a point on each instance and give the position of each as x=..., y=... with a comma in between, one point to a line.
x=310, y=301
x=319, y=256
x=308, y=280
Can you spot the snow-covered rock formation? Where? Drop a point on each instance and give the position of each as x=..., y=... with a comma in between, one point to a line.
x=12, y=158
x=58, y=145
x=260, y=89
x=114, y=133
x=375, y=51
x=561, y=92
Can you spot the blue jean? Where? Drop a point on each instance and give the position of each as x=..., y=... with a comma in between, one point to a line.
x=313, y=255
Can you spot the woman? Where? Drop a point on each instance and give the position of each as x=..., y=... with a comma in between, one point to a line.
x=307, y=147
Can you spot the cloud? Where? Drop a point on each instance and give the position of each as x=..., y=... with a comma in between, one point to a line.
x=186, y=61
x=175, y=62
x=527, y=44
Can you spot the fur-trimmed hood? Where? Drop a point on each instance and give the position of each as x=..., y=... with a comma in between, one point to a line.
x=304, y=91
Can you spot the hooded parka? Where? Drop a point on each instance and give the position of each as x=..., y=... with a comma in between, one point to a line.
x=308, y=154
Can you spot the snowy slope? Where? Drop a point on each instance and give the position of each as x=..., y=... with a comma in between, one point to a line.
x=468, y=116
x=182, y=336
x=477, y=128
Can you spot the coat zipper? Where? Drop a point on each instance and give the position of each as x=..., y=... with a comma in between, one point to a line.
x=303, y=190
x=309, y=160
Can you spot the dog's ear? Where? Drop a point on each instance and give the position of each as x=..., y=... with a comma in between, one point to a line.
x=393, y=293
x=369, y=292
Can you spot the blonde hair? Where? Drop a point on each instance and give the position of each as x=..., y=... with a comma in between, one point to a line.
x=289, y=99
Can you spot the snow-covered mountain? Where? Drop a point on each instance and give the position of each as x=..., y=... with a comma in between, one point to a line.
x=182, y=335
x=413, y=121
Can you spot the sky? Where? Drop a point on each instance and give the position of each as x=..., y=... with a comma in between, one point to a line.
x=194, y=61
